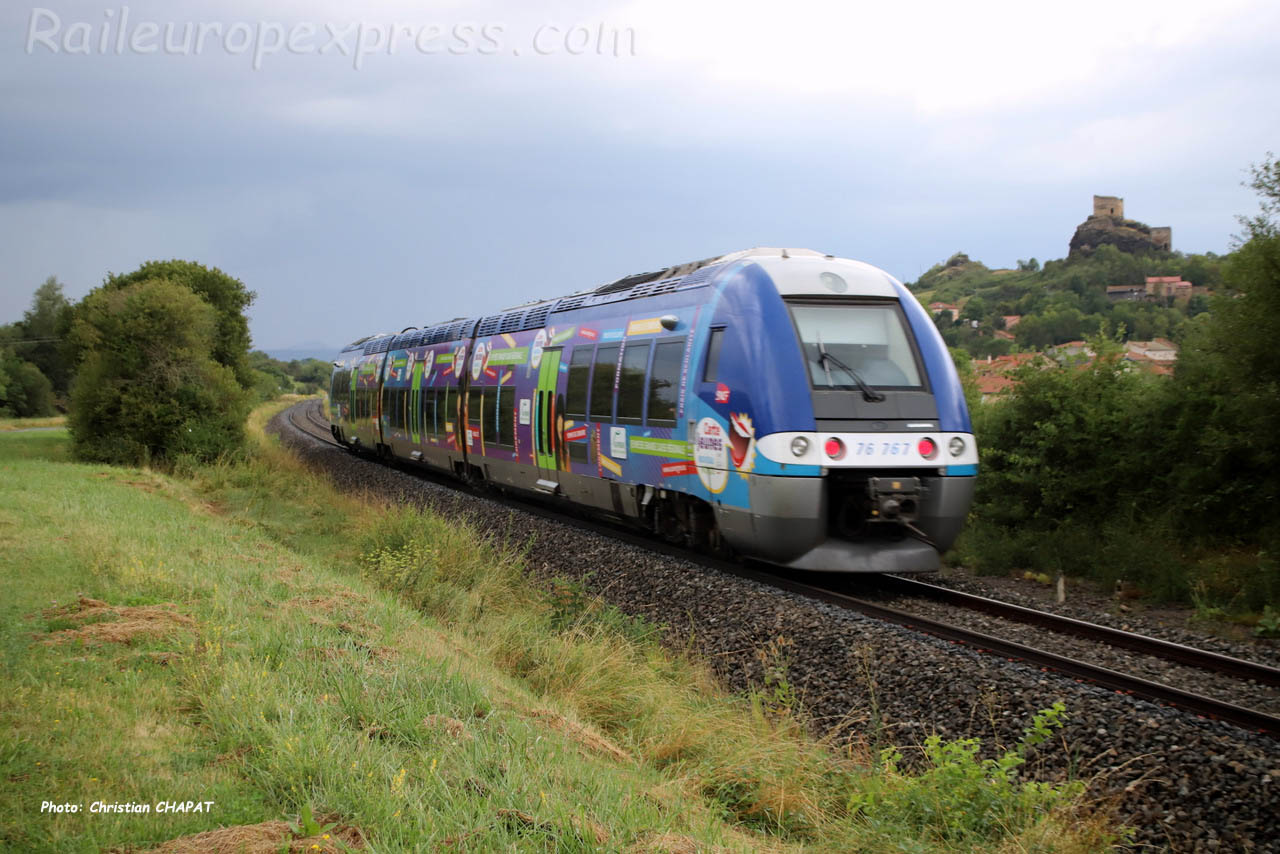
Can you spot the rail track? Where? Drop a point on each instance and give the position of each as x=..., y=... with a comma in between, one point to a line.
x=1124, y=683
x=1180, y=653
x=314, y=424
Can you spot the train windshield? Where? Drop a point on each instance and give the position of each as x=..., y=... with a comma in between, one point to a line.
x=852, y=345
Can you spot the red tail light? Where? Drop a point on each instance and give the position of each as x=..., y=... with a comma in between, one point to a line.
x=834, y=448
x=927, y=448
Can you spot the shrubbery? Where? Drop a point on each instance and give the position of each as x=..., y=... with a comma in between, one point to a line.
x=148, y=388
x=1171, y=484
x=25, y=392
x=227, y=296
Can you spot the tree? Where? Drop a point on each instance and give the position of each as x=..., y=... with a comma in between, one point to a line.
x=148, y=388
x=1228, y=382
x=228, y=297
x=41, y=329
x=974, y=309
x=968, y=379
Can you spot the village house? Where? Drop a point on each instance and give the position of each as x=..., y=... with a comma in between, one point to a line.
x=1156, y=356
x=994, y=387
x=1077, y=351
x=992, y=373
x=936, y=308
x=1168, y=286
x=1132, y=293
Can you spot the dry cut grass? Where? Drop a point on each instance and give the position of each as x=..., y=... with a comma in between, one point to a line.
x=100, y=622
x=268, y=837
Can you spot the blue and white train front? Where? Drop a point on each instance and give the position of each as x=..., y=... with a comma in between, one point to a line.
x=865, y=459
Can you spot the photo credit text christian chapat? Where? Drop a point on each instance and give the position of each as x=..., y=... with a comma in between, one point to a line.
x=104, y=807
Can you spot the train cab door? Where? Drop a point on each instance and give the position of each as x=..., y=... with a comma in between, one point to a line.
x=545, y=436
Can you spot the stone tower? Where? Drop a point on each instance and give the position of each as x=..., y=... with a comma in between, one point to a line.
x=1108, y=206
x=1162, y=237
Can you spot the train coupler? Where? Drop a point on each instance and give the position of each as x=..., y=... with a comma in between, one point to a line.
x=894, y=499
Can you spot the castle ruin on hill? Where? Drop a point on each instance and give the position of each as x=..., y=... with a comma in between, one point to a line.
x=1107, y=225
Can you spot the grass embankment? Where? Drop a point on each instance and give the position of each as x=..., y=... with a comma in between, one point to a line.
x=7, y=424
x=248, y=636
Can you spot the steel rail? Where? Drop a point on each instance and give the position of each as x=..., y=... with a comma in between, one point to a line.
x=1123, y=683
x=1203, y=659
x=319, y=429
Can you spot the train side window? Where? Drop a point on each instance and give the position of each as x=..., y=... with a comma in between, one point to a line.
x=490, y=415
x=664, y=382
x=429, y=411
x=602, y=383
x=507, y=416
x=635, y=363
x=475, y=404
x=575, y=401
x=712, y=370
x=443, y=416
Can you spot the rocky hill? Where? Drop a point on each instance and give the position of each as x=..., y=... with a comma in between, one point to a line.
x=1127, y=235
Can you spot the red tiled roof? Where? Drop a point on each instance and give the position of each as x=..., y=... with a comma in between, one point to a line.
x=994, y=384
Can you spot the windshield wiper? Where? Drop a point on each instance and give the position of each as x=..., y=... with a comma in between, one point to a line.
x=868, y=393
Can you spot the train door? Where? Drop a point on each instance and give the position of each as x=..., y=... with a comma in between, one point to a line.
x=415, y=406
x=545, y=438
x=353, y=414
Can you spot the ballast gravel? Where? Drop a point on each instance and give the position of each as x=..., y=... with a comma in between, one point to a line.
x=1181, y=782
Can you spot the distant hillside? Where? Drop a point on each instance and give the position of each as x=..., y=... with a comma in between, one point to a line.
x=995, y=312
x=308, y=351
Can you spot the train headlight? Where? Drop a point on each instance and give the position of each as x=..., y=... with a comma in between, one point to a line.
x=956, y=446
x=927, y=448
x=799, y=446
x=834, y=448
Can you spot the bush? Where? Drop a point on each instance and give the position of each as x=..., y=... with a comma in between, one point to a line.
x=959, y=798
x=1068, y=444
x=25, y=391
x=227, y=296
x=148, y=389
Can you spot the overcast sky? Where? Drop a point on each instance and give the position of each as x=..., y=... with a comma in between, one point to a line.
x=496, y=152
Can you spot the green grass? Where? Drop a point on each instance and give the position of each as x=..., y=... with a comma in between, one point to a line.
x=7, y=424
x=384, y=666
x=48, y=445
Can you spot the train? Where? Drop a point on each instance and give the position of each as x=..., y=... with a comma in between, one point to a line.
x=777, y=405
